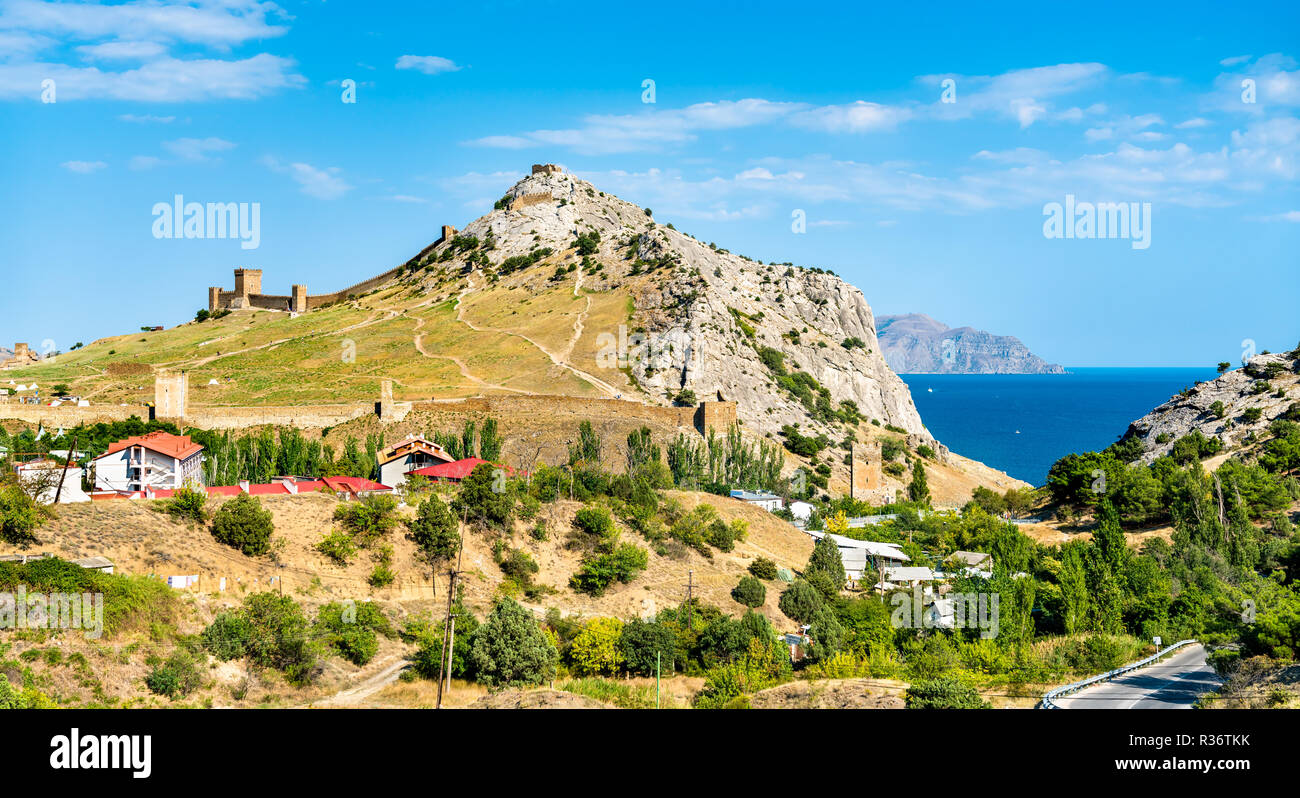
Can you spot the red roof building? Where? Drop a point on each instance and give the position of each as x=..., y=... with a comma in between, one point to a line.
x=455, y=472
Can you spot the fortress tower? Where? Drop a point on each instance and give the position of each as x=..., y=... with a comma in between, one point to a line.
x=247, y=283
x=170, y=394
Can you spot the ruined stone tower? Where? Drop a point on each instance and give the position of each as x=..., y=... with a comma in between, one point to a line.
x=718, y=416
x=298, y=302
x=866, y=481
x=170, y=394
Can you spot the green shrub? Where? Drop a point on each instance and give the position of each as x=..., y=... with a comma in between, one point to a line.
x=338, y=546
x=351, y=629
x=510, y=648
x=647, y=643
x=177, y=677
x=381, y=576
x=750, y=592
x=599, y=572
x=188, y=504
x=242, y=523
x=368, y=520
x=763, y=568
x=945, y=692
x=800, y=601
x=19, y=516
x=227, y=636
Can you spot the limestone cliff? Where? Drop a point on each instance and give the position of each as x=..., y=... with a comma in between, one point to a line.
x=917, y=344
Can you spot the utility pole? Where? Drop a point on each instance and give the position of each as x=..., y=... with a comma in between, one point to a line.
x=451, y=633
x=690, y=589
x=658, y=658
x=64, y=475
x=444, y=660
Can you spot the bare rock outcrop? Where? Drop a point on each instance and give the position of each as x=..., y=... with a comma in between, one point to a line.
x=1223, y=408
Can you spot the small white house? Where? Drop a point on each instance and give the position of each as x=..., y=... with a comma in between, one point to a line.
x=768, y=501
x=858, y=555
x=801, y=511
x=913, y=575
x=154, y=460
x=974, y=563
x=44, y=476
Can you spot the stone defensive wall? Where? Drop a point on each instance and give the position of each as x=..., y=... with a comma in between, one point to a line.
x=222, y=418
x=70, y=415
x=321, y=300
x=565, y=407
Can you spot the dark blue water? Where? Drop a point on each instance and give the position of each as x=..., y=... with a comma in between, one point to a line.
x=1022, y=423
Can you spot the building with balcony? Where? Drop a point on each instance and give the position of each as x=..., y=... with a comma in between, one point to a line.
x=157, y=460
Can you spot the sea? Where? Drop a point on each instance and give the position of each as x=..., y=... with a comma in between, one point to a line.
x=1022, y=423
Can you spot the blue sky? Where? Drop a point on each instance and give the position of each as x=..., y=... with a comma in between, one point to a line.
x=759, y=110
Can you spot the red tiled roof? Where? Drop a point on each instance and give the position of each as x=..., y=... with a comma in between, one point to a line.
x=178, y=446
x=457, y=470
x=410, y=445
x=352, y=484
x=272, y=489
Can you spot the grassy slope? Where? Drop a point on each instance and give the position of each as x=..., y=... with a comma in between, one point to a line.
x=269, y=358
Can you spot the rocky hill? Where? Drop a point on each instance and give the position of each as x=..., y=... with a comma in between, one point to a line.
x=701, y=319
x=917, y=344
x=561, y=296
x=1232, y=408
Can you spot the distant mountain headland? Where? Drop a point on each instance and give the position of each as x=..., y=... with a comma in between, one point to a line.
x=917, y=344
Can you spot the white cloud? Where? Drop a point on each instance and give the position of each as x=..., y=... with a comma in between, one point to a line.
x=1234, y=60
x=858, y=117
x=1192, y=124
x=323, y=184
x=219, y=23
x=163, y=80
x=144, y=119
x=1288, y=216
x=428, y=64
x=122, y=51
x=83, y=167
x=1020, y=94
x=197, y=149
x=140, y=163
x=603, y=134
x=141, y=33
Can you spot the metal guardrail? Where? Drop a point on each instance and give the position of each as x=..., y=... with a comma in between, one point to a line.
x=1049, y=702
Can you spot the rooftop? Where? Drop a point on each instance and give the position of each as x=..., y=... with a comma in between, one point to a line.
x=178, y=446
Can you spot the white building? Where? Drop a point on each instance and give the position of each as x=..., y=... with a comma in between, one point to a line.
x=858, y=555
x=801, y=511
x=913, y=575
x=768, y=501
x=155, y=460
x=43, y=478
x=974, y=563
x=409, y=455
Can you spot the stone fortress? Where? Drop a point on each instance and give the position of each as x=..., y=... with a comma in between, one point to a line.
x=248, y=282
x=248, y=289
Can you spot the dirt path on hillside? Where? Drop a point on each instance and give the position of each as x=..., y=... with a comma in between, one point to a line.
x=366, y=688
x=610, y=390
x=460, y=364
x=581, y=321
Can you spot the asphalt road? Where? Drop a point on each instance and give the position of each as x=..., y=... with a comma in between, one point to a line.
x=1175, y=682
